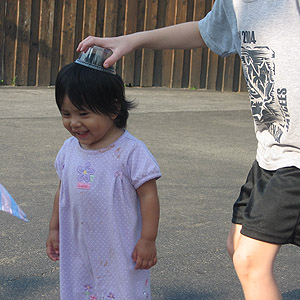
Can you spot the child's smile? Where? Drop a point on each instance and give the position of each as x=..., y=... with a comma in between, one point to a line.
x=93, y=130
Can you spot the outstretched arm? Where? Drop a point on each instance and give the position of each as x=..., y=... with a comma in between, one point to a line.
x=53, y=237
x=144, y=254
x=180, y=36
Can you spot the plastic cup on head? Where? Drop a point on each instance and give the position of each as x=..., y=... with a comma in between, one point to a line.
x=94, y=58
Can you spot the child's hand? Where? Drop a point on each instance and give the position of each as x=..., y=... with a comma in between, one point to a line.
x=144, y=254
x=53, y=245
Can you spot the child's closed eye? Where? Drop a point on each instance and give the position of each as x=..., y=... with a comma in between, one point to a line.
x=83, y=114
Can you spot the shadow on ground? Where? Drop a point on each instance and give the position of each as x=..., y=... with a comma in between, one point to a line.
x=292, y=295
x=180, y=294
x=25, y=287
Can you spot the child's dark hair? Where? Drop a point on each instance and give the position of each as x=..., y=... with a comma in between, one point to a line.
x=94, y=90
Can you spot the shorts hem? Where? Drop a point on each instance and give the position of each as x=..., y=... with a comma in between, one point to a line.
x=237, y=221
x=263, y=237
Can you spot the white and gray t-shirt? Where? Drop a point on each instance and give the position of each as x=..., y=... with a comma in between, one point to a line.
x=265, y=33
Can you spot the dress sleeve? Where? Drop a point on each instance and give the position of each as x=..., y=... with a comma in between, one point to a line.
x=59, y=161
x=219, y=29
x=142, y=166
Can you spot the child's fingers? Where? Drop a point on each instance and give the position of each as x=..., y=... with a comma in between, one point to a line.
x=139, y=263
x=53, y=251
x=134, y=255
x=144, y=264
x=53, y=255
x=152, y=263
x=50, y=253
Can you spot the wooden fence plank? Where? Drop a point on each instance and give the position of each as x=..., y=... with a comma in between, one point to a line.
x=212, y=71
x=196, y=54
x=23, y=40
x=157, y=65
x=130, y=26
x=80, y=11
x=45, y=45
x=181, y=14
x=138, y=53
x=89, y=18
x=2, y=39
x=204, y=65
x=68, y=32
x=100, y=18
x=56, y=43
x=229, y=63
x=10, y=41
x=148, y=54
x=212, y=62
x=110, y=18
x=242, y=81
x=167, y=55
x=120, y=30
x=187, y=52
x=121, y=17
x=34, y=42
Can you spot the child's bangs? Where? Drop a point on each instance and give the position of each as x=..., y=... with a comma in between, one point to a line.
x=80, y=100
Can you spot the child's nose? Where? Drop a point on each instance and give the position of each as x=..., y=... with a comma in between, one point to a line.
x=75, y=122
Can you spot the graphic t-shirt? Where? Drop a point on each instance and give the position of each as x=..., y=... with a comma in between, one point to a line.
x=265, y=33
x=100, y=219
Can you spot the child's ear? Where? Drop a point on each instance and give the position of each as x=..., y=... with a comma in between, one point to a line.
x=113, y=116
x=118, y=108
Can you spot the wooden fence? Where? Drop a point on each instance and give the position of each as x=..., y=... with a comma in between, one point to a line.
x=38, y=37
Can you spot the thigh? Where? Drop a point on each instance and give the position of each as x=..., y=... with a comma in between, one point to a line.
x=256, y=253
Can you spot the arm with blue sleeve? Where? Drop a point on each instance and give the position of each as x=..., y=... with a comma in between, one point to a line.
x=219, y=29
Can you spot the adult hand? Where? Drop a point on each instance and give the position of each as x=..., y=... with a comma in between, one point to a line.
x=119, y=45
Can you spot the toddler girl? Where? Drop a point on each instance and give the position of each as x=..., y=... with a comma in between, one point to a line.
x=106, y=209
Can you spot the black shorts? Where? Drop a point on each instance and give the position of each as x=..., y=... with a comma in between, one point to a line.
x=268, y=206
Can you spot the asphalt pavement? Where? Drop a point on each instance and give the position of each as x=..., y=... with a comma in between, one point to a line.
x=205, y=145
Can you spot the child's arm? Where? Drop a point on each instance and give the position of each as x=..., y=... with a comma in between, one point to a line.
x=144, y=254
x=180, y=36
x=53, y=237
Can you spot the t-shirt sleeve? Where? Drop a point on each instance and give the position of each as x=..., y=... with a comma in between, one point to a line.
x=142, y=166
x=219, y=29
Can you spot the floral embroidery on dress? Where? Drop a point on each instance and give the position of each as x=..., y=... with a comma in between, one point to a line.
x=85, y=173
x=86, y=176
x=88, y=290
x=111, y=296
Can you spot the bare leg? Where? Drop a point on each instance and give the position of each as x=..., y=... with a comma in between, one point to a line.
x=253, y=261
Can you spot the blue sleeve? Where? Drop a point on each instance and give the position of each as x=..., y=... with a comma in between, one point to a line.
x=219, y=29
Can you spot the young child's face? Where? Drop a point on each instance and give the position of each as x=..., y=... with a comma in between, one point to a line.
x=93, y=131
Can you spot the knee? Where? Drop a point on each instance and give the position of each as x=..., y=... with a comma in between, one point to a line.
x=243, y=264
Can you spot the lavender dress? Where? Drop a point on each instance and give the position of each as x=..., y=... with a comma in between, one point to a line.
x=100, y=219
